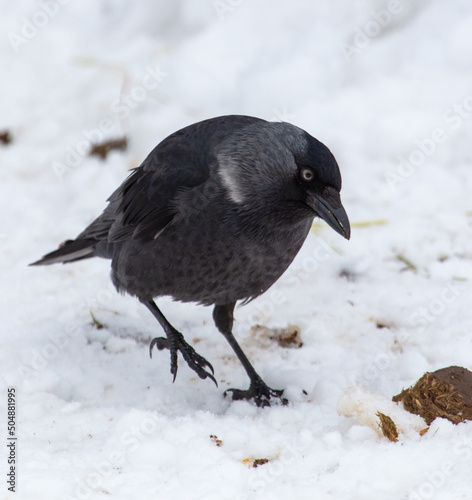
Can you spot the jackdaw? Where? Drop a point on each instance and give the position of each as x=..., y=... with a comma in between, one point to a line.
x=215, y=214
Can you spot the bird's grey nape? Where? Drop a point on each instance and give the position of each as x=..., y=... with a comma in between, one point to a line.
x=256, y=162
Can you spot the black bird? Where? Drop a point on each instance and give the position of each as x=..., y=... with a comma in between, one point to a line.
x=214, y=215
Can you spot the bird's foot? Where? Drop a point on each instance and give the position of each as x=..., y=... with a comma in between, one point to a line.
x=259, y=392
x=175, y=342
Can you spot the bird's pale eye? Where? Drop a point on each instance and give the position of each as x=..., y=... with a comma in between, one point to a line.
x=307, y=174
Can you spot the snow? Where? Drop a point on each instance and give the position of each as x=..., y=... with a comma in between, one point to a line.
x=386, y=85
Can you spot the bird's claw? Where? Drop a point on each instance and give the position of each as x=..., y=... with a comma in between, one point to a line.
x=260, y=392
x=160, y=342
x=175, y=342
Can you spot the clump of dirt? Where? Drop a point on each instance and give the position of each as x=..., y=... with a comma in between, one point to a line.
x=388, y=427
x=215, y=439
x=286, y=337
x=5, y=137
x=254, y=462
x=104, y=148
x=445, y=393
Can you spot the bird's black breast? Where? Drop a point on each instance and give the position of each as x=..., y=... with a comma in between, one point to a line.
x=208, y=257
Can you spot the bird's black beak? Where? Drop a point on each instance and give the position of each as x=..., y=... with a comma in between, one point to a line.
x=328, y=206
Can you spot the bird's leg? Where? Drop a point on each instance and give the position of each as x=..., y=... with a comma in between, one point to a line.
x=258, y=389
x=175, y=342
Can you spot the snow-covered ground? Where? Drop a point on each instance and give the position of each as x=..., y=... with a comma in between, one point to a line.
x=387, y=85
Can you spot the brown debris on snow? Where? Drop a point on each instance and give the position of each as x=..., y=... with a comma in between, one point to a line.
x=104, y=148
x=445, y=393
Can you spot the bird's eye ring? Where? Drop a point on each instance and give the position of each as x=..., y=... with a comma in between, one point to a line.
x=307, y=174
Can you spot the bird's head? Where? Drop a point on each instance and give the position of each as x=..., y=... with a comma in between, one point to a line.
x=279, y=171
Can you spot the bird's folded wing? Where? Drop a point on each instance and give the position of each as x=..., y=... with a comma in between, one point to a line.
x=144, y=204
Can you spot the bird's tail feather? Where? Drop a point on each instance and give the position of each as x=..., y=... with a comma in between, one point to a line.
x=69, y=251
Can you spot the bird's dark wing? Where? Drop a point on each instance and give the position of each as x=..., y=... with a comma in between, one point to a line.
x=140, y=208
x=145, y=204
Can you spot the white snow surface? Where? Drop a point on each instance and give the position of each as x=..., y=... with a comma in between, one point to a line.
x=387, y=86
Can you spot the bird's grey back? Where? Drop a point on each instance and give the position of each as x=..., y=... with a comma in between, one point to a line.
x=144, y=203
